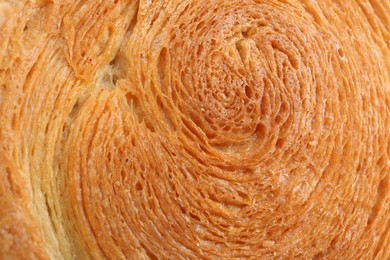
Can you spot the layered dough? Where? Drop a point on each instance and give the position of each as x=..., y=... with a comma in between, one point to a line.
x=194, y=129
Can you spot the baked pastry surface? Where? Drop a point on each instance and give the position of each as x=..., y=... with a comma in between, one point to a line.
x=194, y=129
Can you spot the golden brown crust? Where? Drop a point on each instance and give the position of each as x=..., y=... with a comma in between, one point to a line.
x=194, y=129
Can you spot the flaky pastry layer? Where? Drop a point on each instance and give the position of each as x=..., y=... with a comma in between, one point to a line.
x=194, y=129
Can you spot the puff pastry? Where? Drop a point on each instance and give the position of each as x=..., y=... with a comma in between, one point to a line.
x=194, y=129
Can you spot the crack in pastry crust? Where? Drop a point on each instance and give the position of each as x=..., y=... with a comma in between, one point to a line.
x=194, y=129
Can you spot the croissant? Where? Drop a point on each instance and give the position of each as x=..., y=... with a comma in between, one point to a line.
x=192, y=129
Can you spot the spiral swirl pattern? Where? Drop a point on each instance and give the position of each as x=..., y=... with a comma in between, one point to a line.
x=195, y=129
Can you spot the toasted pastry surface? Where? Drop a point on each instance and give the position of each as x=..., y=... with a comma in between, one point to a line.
x=194, y=129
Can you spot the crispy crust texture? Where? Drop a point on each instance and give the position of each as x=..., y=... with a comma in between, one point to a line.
x=194, y=129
